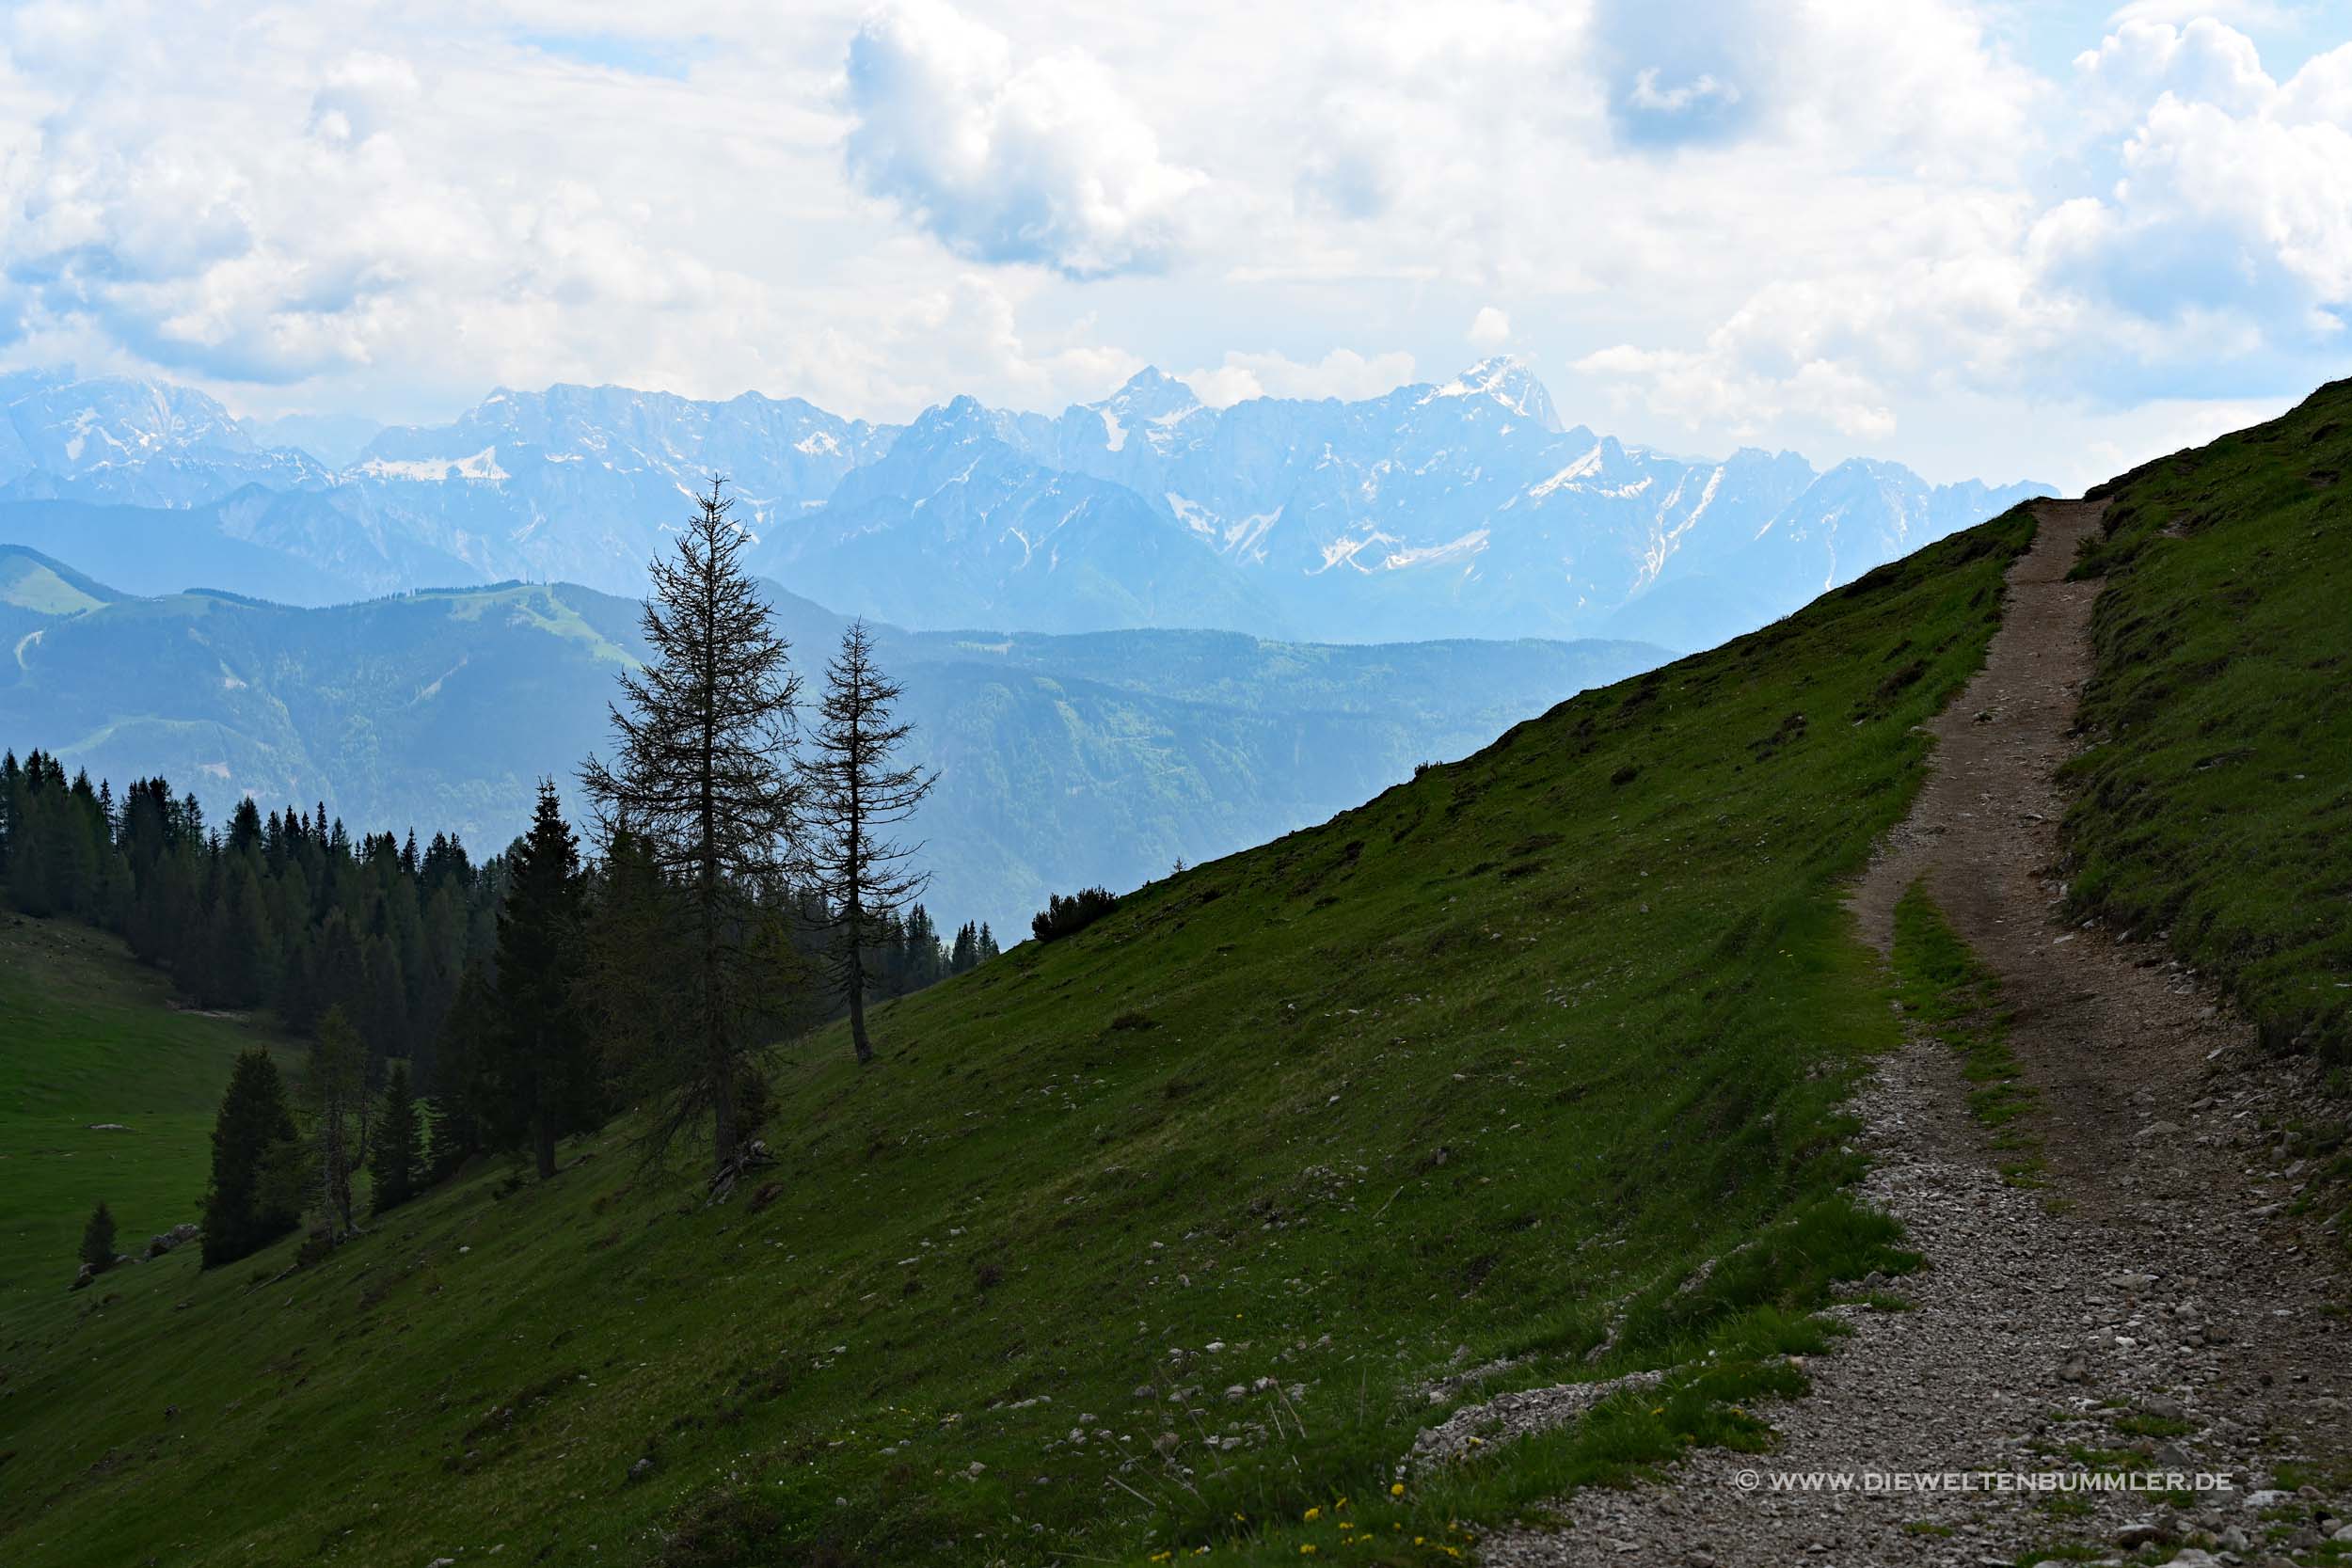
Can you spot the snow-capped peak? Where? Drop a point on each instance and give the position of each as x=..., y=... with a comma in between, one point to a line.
x=1504, y=378
x=1151, y=394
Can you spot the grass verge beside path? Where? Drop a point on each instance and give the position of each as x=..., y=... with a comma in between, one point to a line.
x=1944, y=988
x=2216, y=806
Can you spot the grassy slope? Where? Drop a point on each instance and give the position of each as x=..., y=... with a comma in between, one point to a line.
x=2217, y=803
x=89, y=1037
x=1505, y=1052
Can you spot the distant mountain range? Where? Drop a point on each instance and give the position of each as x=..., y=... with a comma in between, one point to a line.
x=1456, y=509
x=1064, y=760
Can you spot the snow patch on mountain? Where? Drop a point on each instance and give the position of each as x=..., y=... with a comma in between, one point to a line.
x=482, y=465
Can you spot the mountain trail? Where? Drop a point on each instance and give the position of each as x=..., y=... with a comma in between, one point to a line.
x=2151, y=1307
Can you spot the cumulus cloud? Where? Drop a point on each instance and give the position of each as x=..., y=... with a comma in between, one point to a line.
x=1045, y=162
x=1713, y=387
x=1341, y=373
x=2237, y=192
x=2205, y=62
x=1490, y=328
x=1917, y=80
x=2220, y=254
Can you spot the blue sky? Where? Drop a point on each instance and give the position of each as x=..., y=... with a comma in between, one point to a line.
x=1985, y=237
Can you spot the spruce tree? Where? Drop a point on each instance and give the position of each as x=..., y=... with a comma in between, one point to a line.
x=539, y=1076
x=242, y=1211
x=857, y=790
x=395, y=1164
x=701, y=773
x=98, y=1240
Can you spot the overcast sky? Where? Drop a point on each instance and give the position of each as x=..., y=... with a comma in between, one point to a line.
x=2001, y=238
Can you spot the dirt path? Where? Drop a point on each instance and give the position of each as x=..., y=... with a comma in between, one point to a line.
x=2149, y=1297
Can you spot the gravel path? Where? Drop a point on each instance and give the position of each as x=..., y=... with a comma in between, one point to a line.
x=2149, y=1297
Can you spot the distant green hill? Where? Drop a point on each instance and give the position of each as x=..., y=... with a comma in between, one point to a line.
x=29, y=581
x=1064, y=760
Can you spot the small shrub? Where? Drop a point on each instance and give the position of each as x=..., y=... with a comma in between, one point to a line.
x=1062, y=917
x=98, y=1240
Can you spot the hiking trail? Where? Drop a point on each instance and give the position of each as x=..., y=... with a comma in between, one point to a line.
x=2151, y=1296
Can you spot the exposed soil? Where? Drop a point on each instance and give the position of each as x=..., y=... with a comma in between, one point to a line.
x=2152, y=1297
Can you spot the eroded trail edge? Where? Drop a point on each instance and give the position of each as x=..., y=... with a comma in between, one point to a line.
x=2151, y=1307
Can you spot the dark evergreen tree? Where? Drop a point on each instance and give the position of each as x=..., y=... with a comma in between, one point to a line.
x=242, y=1211
x=396, y=1163
x=857, y=790
x=702, y=772
x=539, y=1079
x=98, y=1240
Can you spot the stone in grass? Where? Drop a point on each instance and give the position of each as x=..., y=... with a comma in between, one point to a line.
x=642, y=1468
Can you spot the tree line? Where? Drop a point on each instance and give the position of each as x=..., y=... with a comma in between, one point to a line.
x=745, y=883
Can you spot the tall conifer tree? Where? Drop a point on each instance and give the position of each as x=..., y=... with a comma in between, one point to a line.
x=540, y=1076
x=857, y=791
x=703, y=773
x=395, y=1164
x=244, y=1210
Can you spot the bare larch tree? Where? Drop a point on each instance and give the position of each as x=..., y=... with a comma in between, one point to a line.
x=857, y=790
x=703, y=780
x=337, y=1084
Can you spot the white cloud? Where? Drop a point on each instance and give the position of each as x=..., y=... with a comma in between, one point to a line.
x=1490, y=328
x=1710, y=387
x=2205, y=62
x=1340, y=374
x=2226, y=240
x=1044, y=163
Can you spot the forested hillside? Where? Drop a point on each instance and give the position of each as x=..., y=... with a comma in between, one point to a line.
x=1063, y=760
